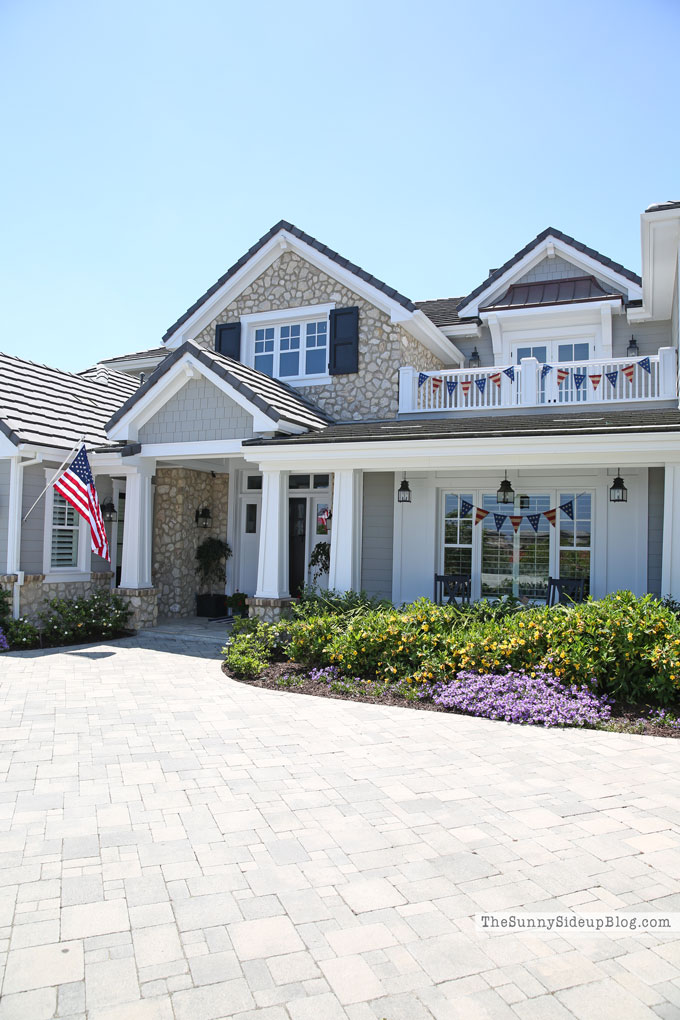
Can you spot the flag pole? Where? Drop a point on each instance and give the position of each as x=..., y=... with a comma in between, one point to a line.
x=54, y=478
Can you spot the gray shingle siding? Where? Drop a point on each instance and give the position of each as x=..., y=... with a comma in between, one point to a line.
x=466, y=345
x=649, y=336
x=4, y=503
x=377, y=533
x=655, y=530
x=32, y=530
x=198, y=412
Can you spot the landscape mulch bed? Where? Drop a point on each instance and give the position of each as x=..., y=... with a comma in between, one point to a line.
x=625, y=716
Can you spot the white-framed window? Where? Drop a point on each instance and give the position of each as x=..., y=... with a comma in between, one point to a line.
x=291, y=344
x=66, y=538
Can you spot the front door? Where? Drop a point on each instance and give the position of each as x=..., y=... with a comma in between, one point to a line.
x=250, y=543
x=515, y=562
x=297, y=538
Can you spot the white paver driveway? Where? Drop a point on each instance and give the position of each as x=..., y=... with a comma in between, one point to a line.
x=177, y=845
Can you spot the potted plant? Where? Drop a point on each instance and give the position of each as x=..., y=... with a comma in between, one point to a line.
x=237, y=603
x=211, y=556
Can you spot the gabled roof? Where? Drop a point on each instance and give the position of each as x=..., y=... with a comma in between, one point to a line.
x=47, y=407
x=152, y=353
x=552, y=292
x=277, y=400
x=441, y=311
x=538, y=240
x=313, y=243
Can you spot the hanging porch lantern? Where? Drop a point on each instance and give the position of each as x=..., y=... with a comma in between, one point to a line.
x=618, y=492
x=474, y=361
x=506, y=493
x=404, y=492
x=632, y=351
x=203, y=517
x=108, y=510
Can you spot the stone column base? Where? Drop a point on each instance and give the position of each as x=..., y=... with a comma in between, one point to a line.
x=144, y=605
x=268, y=610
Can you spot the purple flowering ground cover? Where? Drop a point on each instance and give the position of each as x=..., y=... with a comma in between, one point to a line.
x=538, y=699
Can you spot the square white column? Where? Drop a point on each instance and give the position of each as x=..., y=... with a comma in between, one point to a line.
x=272, y=564
x=137, y=528
x=345, y=567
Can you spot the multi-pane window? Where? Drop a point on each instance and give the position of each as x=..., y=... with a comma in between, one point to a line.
x=457, y=535
x=292, y=350
x=65, y=533
x=576, y=537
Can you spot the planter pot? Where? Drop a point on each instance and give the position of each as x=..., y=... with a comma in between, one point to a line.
x=211, y=605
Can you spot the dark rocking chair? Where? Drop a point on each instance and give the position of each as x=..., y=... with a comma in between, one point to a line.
x=452, y=588
x=565, y=590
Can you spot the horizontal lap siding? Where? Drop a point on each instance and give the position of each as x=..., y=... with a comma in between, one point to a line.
x=655, y=530
x=32, y=530
x=4, y=503
x=377, y=533
x=649, y=336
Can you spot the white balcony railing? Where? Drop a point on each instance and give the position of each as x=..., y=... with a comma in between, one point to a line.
x=531, y=384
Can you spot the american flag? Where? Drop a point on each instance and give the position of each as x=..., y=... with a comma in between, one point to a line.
x=76, y=485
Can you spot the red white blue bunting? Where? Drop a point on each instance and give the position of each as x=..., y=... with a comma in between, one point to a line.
x=516, y=519
x=579, y=378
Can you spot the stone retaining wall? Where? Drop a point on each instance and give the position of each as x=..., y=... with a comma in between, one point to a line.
x=268, y=610
x=35, y=593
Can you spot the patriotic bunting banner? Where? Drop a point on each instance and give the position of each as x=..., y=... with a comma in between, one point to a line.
x=510, y=372
x=481, y=384
x=422, y=378
x=595, y=379
x=516, y=521
x=579, y=379
x=436, y=382
x=465, y=507
x=645, y=365
x=480, y=514
x=451, y=385
x=465, y=386
x=533, y=520
x=496, y=378
x=499, y=520
x=629, y=372
x=562, y=374
x=545, y=370
x=568, y=509
x=551, y=515
x=612, y=376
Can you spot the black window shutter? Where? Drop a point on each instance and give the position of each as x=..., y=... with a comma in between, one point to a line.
x=228, y=339
x=344, y=349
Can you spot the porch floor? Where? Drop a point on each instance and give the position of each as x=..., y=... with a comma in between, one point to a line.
x=192, y=628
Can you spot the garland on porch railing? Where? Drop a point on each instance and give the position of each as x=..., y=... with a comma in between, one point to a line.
x=516, y=519
x=562, y=373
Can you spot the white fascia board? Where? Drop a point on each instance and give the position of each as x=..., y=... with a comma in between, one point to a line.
x=660, y=238
x=128, y=366
x=188, y=367
x=628, y=448
x=197, y=450
x=581, y=311
x=463, y=329
x=589, y=266
x=7, y=447
x=424, y=330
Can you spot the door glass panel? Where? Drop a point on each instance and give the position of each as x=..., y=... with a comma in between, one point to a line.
x=323, y=513
x=251, y=518
x=540, y=353
x=457, y=535
x=575, y=537
x=515, y=563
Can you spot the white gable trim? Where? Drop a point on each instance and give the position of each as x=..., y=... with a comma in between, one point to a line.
x=548, y=248
x=660, y=230
x=415, y=322
x=188, y=367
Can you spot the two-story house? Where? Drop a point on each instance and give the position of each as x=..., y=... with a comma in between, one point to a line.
x=527, y=430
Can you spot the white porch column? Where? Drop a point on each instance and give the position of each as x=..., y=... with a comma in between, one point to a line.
x=16, y=488
x=407, y=389
x=136, y=559
x=670, y=569
x=272, y=564
x=668, y=373
x=345, y=566
x=529, y=382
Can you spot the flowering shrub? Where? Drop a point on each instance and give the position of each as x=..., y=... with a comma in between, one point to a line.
x=4, y=643
x=539, y=699
x=22, y=634
x=68, y=621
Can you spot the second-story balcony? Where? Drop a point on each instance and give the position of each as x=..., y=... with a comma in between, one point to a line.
x=532, y=384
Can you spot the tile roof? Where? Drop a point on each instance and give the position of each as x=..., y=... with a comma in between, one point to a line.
x=441, y=311
x=274, y=398
x=48, y=407
x=313, y=243
x=552, y=292
x=550, y=232
x=153, y=352
x=465, y=428
x=659, y=206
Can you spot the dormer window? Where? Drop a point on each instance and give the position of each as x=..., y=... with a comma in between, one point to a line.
x=292, y=344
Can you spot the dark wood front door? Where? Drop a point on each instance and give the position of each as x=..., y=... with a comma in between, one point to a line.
x=297, y=534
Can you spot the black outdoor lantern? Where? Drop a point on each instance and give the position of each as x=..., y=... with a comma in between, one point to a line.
x=108, y=510
x=474, y=361
x=203, y=517
x=404, y=492
x=632, y=351
x=618, y=492
x=506, y=493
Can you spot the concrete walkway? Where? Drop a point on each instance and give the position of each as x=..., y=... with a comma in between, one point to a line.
x=177, y=845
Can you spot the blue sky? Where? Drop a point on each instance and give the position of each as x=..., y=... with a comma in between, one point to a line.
x=147, y=145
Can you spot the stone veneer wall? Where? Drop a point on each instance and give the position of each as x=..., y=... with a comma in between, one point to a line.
x=384, y=346
x=35, y=593
x=179, y=493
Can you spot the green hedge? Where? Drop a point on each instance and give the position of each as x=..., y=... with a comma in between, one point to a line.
x=67, y=621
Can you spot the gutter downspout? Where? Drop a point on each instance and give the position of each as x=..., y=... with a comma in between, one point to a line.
x=16, y=491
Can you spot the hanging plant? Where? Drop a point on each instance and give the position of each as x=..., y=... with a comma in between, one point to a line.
x=320, y=560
